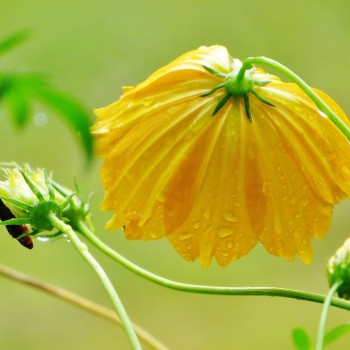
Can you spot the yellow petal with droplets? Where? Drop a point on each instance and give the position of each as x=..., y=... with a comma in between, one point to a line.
x=216, y=186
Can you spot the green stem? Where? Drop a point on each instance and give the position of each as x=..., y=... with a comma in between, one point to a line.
x=200, y=289
x=321, y=105
x=324, y=315
x=83, y=251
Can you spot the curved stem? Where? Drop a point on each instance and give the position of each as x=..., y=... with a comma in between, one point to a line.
x=79, y=301
x=192, y=288
x=321, y=105
x=324, y=315
x=83, y=251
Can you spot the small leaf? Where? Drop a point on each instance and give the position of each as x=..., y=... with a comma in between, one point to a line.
x=18, y=106
x=71, y=111
x=18, y=89
x=12, y=40
x=301, y=339
x=336, y=332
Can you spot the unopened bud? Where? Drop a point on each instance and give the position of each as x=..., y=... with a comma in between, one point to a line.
x=338, y=270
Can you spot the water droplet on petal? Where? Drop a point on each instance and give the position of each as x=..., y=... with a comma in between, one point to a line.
x=153, y=234
x=293, y=201
x=184, y=235
x=147, y=102
x=196, y=225
x=305, y=201
x=230, y=216
x=224, y=253
x=206, y=214
x=224, y=231
x=161, y=197
x=229, y=244
x=298, y=109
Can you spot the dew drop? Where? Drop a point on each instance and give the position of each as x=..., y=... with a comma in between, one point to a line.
x=206, y=214
x=293, y=201
x=224, y=231
x=298, y=109
x=229, y=244
x=196, y=225
x=265, y=188
x=147, y=102
x=161, y=197
x=297, y=216
x=230, y=216
x=184, y=235
x=40, y=119
x=153, y=234
x=284, y=198
x=305, y=201
x=224, y=253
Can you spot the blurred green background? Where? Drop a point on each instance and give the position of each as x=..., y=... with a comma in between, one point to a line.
x=92, y=48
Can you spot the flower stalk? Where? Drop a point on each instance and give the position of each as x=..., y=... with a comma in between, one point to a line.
x=202, y=289
x=321, y=105
x=324, y=315
x=84, y=252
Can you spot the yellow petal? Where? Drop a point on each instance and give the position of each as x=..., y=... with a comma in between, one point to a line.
x=216, y=186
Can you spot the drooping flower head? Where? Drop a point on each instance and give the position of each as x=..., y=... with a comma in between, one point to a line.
x=217, y=166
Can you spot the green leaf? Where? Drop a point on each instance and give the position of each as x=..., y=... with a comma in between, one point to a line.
x=12, y=40
x=18, y=105
x=71, y=111
x=16, y=98
x=301, y=339
x=18, y=89
x=336, y=332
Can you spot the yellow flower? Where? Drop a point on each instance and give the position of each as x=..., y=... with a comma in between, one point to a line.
x=217, y=185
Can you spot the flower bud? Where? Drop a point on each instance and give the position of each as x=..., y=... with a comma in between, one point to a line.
x=30, y=197
x=338, y=269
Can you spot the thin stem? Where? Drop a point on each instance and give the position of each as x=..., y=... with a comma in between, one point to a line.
x=83, y=251
x=200, y=289
x=324, y=315
x=79, y=301
x=321, y=105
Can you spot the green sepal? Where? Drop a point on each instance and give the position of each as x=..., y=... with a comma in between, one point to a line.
x=33, y=187
x=17, y=203
x=247, y=107
x=17, y=221
x=262, y=82
x=214, y=72
x=49, y=186
x=221, y=103
x=220, y=86
x=262, y=99
x=67, y=200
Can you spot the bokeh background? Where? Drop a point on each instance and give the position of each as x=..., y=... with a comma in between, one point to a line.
x=92, y=48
